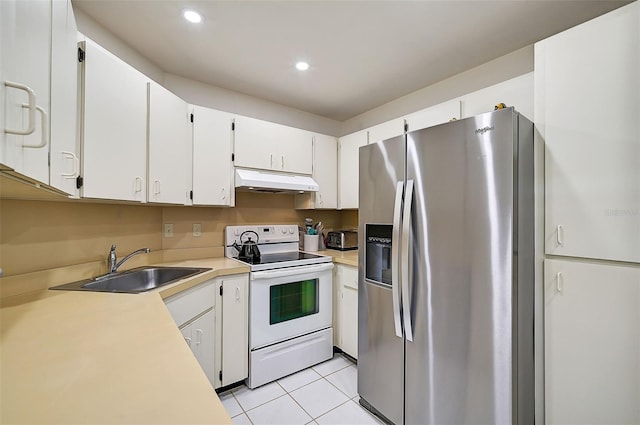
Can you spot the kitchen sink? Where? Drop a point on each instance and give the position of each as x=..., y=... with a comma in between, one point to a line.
x=133, y=281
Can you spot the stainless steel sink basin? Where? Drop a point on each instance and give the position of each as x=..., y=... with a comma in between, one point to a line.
x=133, y=281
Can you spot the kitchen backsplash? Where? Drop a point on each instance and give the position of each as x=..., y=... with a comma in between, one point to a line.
x=40, y=235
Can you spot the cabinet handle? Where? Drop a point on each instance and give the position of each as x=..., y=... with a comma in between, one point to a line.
x=44, y=139
x=32, y=109
x=76, y=165
x=199, y=336
x=156, y=187
x=270, y=160
x=188, y=340
x=560, y=235
x=282, y=161
x=559, y=283
x=237, y=293
x=138, y=184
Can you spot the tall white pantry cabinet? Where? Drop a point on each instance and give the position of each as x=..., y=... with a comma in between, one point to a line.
x=587, y=111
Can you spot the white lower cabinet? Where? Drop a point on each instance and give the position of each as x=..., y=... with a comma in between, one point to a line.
x=213, y=318
x=592, y=343
x=200, y=336
x=346, y=309
x=232, y=363
x=193, y=311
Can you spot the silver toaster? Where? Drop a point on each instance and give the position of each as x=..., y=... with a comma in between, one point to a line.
x=342, y=240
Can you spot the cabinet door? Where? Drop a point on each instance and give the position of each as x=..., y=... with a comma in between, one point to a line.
x=25, y=37
x=348, y=171
x=349, y=331
x=325, y=173
x=386, y=130
x=212, y=166
x=235, y=326
x=115, y=127
x=438, y=114
x=203, y=342
x=587, y=109
x=592, y=343
x=169, y=147
x=268, y=146
x=65, y=144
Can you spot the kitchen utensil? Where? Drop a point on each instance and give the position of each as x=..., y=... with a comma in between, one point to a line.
x=249, y=250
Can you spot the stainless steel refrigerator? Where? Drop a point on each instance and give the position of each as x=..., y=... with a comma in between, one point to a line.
x=446, y=273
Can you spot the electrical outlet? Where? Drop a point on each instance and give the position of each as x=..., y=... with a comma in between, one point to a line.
x=168, y=230
x=197, y=229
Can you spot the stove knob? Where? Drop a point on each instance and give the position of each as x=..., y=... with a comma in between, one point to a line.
x=236, y=232
x=291, y=230
x=284, y=230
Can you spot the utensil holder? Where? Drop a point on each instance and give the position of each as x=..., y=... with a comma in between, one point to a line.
x=311, y=242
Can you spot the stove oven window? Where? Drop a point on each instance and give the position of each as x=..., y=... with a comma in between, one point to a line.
x=291, y=301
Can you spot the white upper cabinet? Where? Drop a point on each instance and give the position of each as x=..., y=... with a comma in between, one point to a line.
x=64, y=166
x=268, y=146
x=592, y=343
x=114, y=128
x=348, y=168
x=438, y=114
x=386, y=130
x=212, y=166
x=587, y=110
x=25, y=37
x=169, y=147
x=325, y=173
x=38, y=69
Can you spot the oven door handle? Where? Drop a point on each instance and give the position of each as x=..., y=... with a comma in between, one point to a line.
x=291, y=271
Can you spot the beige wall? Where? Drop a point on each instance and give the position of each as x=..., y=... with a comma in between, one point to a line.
x=40, y=235
x=496, y=71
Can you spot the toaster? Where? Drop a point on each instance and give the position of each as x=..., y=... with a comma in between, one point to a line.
x=342, y=240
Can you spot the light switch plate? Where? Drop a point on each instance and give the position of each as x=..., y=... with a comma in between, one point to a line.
x=197, y=229
x=168, y=230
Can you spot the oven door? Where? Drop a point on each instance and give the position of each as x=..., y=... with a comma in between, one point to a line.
x=289, y=302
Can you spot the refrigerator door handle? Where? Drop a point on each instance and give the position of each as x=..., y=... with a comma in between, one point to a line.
x=406, y=232
x=395, y=260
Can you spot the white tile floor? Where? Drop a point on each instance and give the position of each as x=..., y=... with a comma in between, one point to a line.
x=325, y=394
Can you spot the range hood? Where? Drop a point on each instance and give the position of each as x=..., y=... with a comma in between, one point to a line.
x=264, y=181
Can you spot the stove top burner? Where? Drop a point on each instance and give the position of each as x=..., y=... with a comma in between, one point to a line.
x=279, y=257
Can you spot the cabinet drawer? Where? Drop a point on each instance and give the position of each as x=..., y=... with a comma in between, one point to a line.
x=190, y=303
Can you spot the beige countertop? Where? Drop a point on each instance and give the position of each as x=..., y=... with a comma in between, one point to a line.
x=349, y=258
x=90, y=357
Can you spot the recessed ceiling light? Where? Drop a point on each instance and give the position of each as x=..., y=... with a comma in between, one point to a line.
x=302, y=66
x=192, y=16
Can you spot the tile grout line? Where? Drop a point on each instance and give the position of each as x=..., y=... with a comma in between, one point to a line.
x=293, y=398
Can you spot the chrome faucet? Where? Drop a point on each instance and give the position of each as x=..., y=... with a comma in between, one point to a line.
x=112, y=260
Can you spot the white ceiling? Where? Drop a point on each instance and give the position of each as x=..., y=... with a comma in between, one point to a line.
x=362, y=53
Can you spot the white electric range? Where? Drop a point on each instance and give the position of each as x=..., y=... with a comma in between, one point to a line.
x=290, y=301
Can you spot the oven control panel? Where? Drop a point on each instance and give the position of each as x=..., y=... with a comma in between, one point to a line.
x=268, y=233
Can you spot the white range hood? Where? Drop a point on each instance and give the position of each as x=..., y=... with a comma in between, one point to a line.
x=263, y=181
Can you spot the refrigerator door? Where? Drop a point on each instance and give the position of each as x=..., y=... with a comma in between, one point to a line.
x=380, y=341
x=459, y=364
